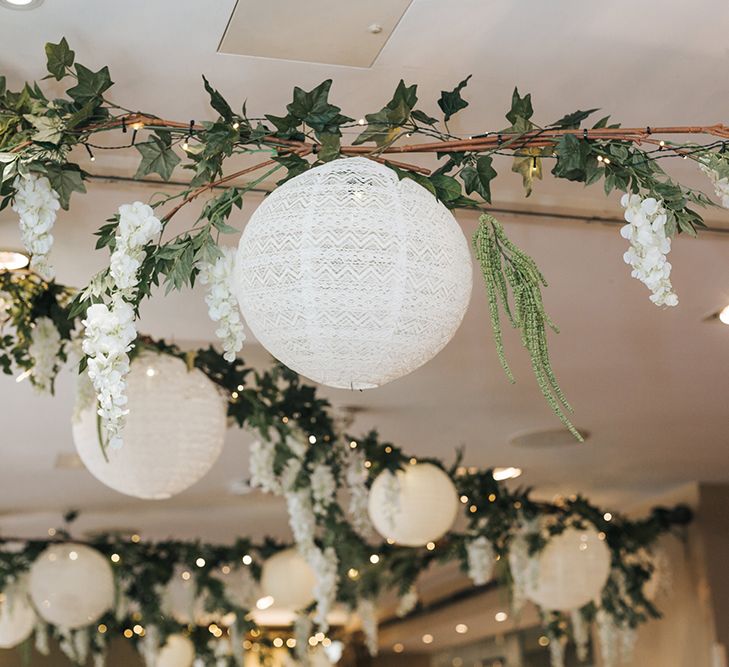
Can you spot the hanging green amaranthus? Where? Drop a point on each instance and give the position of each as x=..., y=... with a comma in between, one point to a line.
x=505, y=266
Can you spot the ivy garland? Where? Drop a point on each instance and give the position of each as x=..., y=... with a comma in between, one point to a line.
x=38, y=136
x=298, y=424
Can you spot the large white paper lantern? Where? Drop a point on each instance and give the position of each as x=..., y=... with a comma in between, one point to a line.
x=289, y=580
x=178, y=651
x=571, y=570
x=415, y=506
x=174, y=433
x=17, y=617
x=71, y=585
x=351, y=276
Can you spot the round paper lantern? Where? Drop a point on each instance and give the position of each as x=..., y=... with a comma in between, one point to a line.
x=17, y=617
x=174, y=432
x=351, y=276
x=416, y=506
x=289, y=580
x=571, y=570
x=178, y=651
x=71, y=585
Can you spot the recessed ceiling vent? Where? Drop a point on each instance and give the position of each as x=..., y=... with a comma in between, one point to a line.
x=556, y=437
x=332, y=32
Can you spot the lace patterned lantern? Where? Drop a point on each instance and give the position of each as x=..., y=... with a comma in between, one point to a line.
x=353, y=277
x=289, y=580
x=415, y=506
x=71, y=585
x=17, y=617
x=178, y=651
x=174, y=433
x=571, y=570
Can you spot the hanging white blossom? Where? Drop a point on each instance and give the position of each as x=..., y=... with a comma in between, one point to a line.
x=137, y=227
x=43, y=350
x=149, y=645
x=302, y=632
x=323, y=487
x=263, y=454
x=607, y=633
x=367, y=611
x=41, y=638
x=222, y=303
x=556, y=651
x=301, y=519
x=407, y=602
x=109, y=335
x=36, y=204
x=649, y=245
x=717, y=169
x=356, y=477
x=580, y=633
x=6, y=302
x=523, y=566
x=481, y=560
x=628, y=637
x=324, y=563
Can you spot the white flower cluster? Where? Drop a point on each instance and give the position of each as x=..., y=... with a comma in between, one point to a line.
x=407, y=602
x=301, y=519
x=481, y=560
x=43, y=350
x=720, y=181
x=367, y=612
x=137, y=227
x=302, y=631
x=523, y=567
x=263, y=453
x=581, y=634
x=222, y=303
x=557, y=647
x=324, y=563
x=109, y=336
x=36, y=203
x=6, y=301
x=356, y=477
x=392, y=498
x=649, y=245
x=323, y=487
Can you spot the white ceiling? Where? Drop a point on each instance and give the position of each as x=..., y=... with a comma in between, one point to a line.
x=651, y=385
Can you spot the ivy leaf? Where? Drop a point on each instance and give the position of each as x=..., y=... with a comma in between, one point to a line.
x=330, y=145
x=521, y=107
x=529, y=166
x=574, y=158
x=90, y=85
x=573, y=120
x=65, y=180
x=314, y=109
x=217, y=101
x=158, y=157
x=294, y=164
x=478, y=179
x=451, y=102
x=287, y=127
x=422, y=117
x=447, y=188
x=382, y=126
x=59, y=57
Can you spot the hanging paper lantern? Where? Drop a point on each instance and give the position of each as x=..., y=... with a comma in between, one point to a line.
x=415, y=506
x=351, y=276
x=178, y=651
x=17, y=617
x=71, y=585
x=174, y=433
x=289, y=580
x=571, y=570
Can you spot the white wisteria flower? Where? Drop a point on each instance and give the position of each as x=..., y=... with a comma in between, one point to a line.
x=263, y=454
x=222, y=303
x=367, y=612
x=649, y=245
x=580, y=633
x=323, y=487
x=481, y=560
x=717, y=169
x=36, y=203
x=301, y=519
x=408, y=601
x=356, y=477
x=324, y=563
x=44, y=348
x=137, y=227
x=6, y=302
x=109, y=335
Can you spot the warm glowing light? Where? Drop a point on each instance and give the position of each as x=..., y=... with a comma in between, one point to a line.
x=374, y=559
x=353, y=573
x=398, y=648
x=724, y=315
x=278, y=642
x=186, y=576
x=464, y=499
x=115, y=558
x=607, y=516
x=12, y=260
x=430, y=546
x=291, y=642
x=138, y=629
x=312, y=439
x=136, y=539
x=501, y=474
x=151, y=372
x=246, y=560
x=200, y=562
x=73, y=555
x=544, y=640
x=264, y=602
x=102, y=628
x=500, y=616
x=128, y=633
x=461, y=628
x=427, y=639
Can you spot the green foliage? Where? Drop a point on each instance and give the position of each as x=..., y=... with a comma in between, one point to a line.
x=451, y=102
x=521, y=112
x=383, y=126
x=65, y=179
x=158, y=157
x=218, y=102
x=572, y=120
x=477, y=178
x=59, y=58
x=502, y=265
x=90, y=85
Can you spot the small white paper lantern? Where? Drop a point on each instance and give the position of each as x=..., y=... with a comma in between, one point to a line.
x=571, y=570
x=175, y=430
x=353, y=277
x=178, y=651
x=71, y=585
x=289, y=580
x=416, y=506
x=17, y=617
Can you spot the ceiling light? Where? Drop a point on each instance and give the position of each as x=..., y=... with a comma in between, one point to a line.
x=21, y=4
x=264, y=602
x=501, y=474
x=12, y=260
x=724, y=315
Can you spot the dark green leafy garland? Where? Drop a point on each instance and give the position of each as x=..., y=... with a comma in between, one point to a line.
x=278, y=404
x=38, y=135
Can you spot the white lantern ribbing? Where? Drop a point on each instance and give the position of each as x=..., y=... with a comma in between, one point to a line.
x=571, y=570
x=71, y=585
x=415, y=506
x=351, y=276
x=174, y=433
x=178, y=651
x=17, y=617
x=289, y=580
